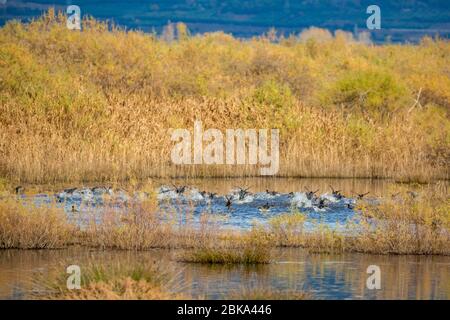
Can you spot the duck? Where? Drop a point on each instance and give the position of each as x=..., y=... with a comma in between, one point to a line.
x=101, y=190
x=211, y=195
x=360, y=196
x=228, y=202
x=243, y=193
x=271, y=193
x=70, y=190
x=180, y=189
x=310, y=195
x=164, y=189
x=265, y=208
x=19, y=189
x=336, y=193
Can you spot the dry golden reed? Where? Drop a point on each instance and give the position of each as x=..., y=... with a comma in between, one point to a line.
x=142, y=227
x=98, y=104
x=404, y=223
x=144, y=280
x=407, y=223
x=248, y=248
x=25, y=226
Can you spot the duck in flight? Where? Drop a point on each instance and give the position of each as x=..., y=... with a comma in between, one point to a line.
x=228, y=202
x=209, y=195
x=212, y=195
x=243, y=192
x=336, y=193
x=360, y=196
x=310, y=195
x=179, y=189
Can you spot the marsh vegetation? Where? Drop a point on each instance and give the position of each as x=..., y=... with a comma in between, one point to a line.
x=402, y=222
x=96, y=105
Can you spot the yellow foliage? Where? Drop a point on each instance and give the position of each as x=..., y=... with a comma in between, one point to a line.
x=96, y=104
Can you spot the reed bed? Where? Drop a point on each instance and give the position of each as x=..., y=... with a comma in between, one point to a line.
x=142, y=227
x=407, y=225
x=249, y=248
x=224, y=255
x=25, y=226
x=98, y=105
x=403, y=223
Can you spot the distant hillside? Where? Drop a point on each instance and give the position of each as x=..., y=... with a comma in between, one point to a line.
x=401, y=20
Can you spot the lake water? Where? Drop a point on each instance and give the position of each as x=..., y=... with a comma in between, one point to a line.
x=325, y=276
x=262, y=200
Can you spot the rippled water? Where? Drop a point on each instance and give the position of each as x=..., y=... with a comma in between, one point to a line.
x=210, y=196
x=325, y=276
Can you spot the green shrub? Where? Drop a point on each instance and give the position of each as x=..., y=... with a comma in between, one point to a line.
x=372, y=91
x=278, y=103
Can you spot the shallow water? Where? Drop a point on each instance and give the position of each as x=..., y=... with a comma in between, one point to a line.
x=289, y=194
x=325, y=276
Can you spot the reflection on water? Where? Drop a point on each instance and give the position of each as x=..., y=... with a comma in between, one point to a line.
x=326, y=276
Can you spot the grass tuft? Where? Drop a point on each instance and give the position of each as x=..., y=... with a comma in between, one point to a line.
x=141, y=281
x=30, y=227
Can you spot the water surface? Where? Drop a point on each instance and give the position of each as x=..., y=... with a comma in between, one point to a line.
x=325, y=276
x=312, y=197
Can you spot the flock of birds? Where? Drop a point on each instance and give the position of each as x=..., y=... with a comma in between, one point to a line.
x=264, y=201
x=237, y=195
x=240, y=206
x=241, y=195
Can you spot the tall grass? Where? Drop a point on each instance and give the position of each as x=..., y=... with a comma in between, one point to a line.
x=142, y=227
x=98, y=104
x=404, y=223
x=30, y=227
